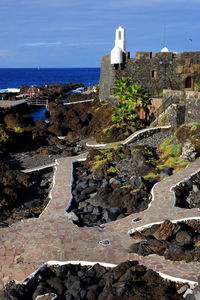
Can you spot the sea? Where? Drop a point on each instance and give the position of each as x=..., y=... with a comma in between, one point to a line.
x=12, y=79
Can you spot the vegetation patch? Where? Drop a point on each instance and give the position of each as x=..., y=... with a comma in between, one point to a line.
x=133, y=100
x=4, y=136
x=190, y=132
x=170, y=151
x=100, y=159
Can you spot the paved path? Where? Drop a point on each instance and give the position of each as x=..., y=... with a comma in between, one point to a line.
x=8, y=103
x=131, y=138
x=29, y=243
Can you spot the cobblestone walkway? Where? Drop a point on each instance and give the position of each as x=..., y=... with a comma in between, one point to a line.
x=29, y=243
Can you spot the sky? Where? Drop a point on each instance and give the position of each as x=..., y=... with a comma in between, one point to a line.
x=77, y=33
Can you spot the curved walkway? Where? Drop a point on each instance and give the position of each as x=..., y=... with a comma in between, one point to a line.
x=29, y=243
x=131, y=138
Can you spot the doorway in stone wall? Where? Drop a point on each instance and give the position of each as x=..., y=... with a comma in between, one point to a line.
x=188, y=82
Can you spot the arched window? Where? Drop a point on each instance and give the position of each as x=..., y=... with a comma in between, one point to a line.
x=188, y=83
x=120, y=35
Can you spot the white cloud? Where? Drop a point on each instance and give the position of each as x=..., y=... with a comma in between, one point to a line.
x=91, y=43
x=43, y=44
x=71, y=44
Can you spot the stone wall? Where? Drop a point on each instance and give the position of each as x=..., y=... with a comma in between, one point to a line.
x=154, y=73
x=192, y=104
x=168, y=117
x=177, y=96
x=187, y=109
x=107, y=78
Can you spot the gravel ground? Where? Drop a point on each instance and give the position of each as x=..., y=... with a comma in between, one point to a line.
x=154, y=140
x=26, y=160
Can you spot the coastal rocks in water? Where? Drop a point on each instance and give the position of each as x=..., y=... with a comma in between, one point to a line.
x=126, y=281
x=52, y=91
x=176, y=242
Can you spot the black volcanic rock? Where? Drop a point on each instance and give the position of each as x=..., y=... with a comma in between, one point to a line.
x=173, y=241
x=52, y=91
x=127, y=281
x=22, y=195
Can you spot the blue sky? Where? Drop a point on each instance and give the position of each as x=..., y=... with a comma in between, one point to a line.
x=76, y=33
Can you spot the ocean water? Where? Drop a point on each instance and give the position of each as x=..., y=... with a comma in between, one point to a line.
x=12, y=79
x=15, y=78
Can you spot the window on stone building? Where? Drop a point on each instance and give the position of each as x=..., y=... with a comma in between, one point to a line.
x=153, y=74
x=120, y=35
x=188, y=83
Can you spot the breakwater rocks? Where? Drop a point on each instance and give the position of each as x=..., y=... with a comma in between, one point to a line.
x=101, y=199
x=23, y=195
x=176, y=242
x=126, y=281
x=52, y=91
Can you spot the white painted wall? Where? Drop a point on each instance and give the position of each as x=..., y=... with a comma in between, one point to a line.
x=116, y=55
x=120, y=39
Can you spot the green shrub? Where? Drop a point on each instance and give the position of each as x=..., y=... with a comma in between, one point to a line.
x=113, y=170
x=3, y=135
x=18, y=130
x=197, y=85
x=151, y=175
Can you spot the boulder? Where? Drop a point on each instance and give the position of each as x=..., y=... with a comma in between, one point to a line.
x=165, y=172
x=188, y=151
x=97, y=282
x=166, y=230
x=183, y=236
x=72, y=216
x=140, y=160
x=177, y=252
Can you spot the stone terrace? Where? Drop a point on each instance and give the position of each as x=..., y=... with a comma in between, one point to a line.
x=29, y=243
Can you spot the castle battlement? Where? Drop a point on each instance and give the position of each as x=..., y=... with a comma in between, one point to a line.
x=154, y=71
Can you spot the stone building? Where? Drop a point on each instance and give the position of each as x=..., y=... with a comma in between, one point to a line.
x=155, y=72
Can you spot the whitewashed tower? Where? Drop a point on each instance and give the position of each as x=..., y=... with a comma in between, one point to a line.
x=120, y=47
